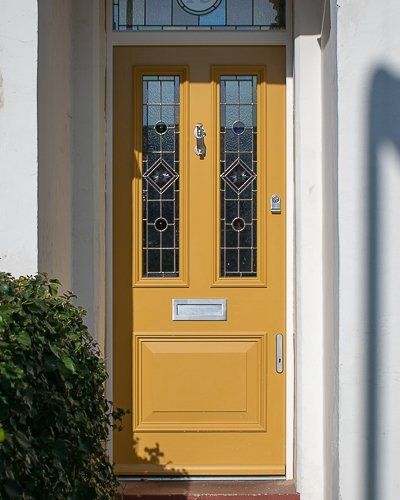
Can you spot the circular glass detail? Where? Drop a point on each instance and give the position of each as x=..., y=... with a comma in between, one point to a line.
x=199, y=7
x=238, y=224
x=238, y=127
x=161, y=127
x=161, y=224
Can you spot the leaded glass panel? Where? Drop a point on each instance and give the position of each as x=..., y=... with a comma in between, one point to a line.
x=160, y=187
x=238, y=172
x=131, y=15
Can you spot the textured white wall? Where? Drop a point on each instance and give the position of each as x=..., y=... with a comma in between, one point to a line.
x=369, y=248
x=72, y=151
x=309, y=250
x=330, y=248
x=18, y=136
x=55, y=120
x=368, y=211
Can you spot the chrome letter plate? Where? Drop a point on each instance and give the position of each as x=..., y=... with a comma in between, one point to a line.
x=199, y=309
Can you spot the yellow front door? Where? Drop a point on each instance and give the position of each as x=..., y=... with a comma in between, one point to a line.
x=199, y=260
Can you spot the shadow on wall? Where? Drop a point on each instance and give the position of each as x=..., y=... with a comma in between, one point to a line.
x=383, y=130
x=71, y=150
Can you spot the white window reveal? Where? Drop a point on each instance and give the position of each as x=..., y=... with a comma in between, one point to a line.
x=247, y=15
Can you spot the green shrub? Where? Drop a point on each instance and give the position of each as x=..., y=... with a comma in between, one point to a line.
x=54, y=419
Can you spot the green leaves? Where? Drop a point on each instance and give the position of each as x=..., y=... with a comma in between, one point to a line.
x=24, y=339
x=13, y=489
x=2, y=434
x=54, y=419
x=68, y=363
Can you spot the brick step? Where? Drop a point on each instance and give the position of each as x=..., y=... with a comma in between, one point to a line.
x=208, y=490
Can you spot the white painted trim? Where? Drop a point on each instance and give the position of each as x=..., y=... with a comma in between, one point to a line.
x=309, y=402
x=109, y=212
x=284, y=38
x=290, y=254
x=122, y=38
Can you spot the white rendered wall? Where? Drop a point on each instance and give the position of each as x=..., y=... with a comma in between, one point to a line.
x=18, y=136
x=330, y=248
x=55, y=140
x=89, y=137
x=369, y=244
x=72, y=151
x=309, y=251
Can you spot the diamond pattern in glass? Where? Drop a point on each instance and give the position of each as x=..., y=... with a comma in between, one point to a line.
x=160, y=175
x=239, y=176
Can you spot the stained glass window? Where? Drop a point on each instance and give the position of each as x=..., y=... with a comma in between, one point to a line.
x=160, y=188
x=251, y=15
x=238, y=172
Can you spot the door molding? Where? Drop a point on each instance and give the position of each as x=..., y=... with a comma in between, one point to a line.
x=283, y=38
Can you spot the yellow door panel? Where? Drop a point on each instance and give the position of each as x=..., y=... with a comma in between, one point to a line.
x=205, y=394
x=197, y=383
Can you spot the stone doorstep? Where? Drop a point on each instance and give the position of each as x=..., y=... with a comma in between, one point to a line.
x=208, y=490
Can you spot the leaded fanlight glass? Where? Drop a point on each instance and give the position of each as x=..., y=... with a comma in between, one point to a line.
x=238, y=173
x=160, y=186
x=130, y=15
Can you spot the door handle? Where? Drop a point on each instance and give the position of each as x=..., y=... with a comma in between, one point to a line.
x=200, y=148
x=279, y=353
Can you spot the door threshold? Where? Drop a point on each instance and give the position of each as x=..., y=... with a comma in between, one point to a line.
x=206, y=489
x=201, y=478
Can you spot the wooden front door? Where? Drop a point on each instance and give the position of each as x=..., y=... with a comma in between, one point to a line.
x=199, y=260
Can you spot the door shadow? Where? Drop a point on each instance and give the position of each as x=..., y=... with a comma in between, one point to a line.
x=153, y=468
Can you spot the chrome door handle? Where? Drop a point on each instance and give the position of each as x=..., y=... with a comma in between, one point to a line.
x=200, y=133
x=279, y=353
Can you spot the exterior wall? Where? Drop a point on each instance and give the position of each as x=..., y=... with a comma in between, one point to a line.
x=369, y=245
x=55, y=140
x=330, y=248
x=347, y=208
x=309, y=251
x=72, y=151
x=89, y=137
x=18, y=136
x=71, y=191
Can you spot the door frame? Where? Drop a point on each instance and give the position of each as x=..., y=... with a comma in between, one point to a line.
x=282, y=38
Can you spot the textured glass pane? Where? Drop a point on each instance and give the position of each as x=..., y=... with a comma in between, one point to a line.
x=215, y=18
x=238, y=171
x=158, y=12
x=240, y=12
x=198, y=15
x=160, y=187
x=246, y=92
x=182, y=18
x=154, y=93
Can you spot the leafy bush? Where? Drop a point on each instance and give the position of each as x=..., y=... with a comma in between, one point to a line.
x=54, y=419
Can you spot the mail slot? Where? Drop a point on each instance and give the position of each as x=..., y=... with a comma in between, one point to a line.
x=199, y=309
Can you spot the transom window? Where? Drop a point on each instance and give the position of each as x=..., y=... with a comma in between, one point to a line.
x=247, y=15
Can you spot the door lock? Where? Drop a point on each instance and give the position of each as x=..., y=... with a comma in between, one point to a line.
x=200, y=148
